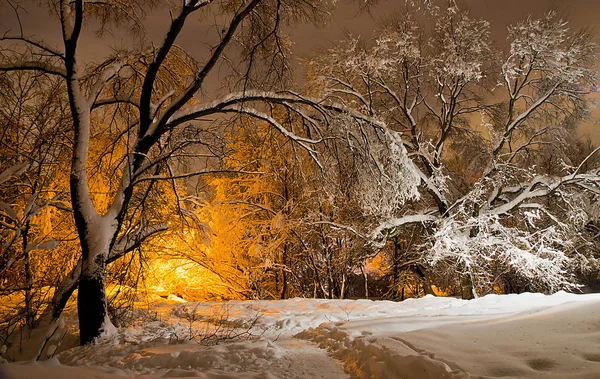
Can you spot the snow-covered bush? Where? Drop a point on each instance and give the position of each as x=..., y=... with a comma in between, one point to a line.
x=487, y=250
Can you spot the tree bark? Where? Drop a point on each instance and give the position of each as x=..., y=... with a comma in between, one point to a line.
x=468, y=290
x=284, y=278
x=422, y=272
x=366, y=280
x=29, y=312
x=92, y=306
x=396, y=269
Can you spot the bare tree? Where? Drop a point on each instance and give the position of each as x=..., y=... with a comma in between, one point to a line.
x=31, y=189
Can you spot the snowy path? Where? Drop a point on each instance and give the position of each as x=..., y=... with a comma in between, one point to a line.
x=510, y=336
x=285, y=358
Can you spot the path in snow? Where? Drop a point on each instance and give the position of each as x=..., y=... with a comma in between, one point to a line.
x=553, y=337
x=285, y=358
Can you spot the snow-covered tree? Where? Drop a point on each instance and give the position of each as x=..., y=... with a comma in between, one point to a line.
x=157, y=92
x=32, y=192
x=478, y=160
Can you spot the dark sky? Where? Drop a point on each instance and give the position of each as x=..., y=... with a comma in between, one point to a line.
x=308, y=39
x=500, y=13
x=346, y=17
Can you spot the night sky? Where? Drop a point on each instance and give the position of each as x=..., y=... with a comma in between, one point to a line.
x=308, y=39
x=347, y=17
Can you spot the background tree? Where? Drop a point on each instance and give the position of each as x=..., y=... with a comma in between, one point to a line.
x=32, y=194
x=428, y=96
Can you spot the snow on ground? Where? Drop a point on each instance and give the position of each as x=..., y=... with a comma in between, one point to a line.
x=509, y=336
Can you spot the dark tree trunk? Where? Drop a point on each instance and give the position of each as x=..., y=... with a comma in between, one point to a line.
x=61, y=297
x=284, y=272
x=396, y=269
x=366, y=281
x=92, y=307
x=422, y=272
x=284, y=254
x=91, y=300
x=466, y=284
x=29, y=312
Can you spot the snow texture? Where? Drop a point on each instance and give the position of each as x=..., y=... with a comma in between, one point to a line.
x=527, y=336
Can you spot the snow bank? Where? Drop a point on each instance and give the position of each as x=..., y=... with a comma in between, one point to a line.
x=560, y=342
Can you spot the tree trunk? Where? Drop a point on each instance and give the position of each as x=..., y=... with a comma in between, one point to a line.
x=396, y=270
x=422, y=272
x=468, y=290
x=61, y=297
x=62, y=294
x=92, y=306
x=96, y=237
x=284, y=279
x=29, y=312
x=366, y=279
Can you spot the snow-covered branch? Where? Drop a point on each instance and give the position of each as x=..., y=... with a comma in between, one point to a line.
x=384, y=230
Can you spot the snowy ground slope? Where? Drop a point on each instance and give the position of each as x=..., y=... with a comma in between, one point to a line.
x=519, y=336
